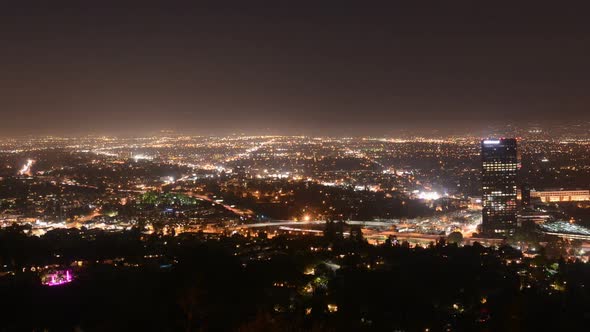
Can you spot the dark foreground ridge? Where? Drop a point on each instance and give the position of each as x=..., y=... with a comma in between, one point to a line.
x=197, y=282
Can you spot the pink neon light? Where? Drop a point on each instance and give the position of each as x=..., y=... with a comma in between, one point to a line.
x=58, y=278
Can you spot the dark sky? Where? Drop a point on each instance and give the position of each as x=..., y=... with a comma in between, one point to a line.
x=261, y=67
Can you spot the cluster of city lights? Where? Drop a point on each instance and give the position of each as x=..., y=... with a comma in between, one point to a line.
x=57, y=278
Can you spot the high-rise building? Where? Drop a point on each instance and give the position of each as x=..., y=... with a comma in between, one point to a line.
x=499, y=169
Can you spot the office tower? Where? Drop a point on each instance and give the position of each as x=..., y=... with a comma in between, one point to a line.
x=499, y=168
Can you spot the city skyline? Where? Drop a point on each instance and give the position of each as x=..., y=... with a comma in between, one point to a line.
x=315, y=223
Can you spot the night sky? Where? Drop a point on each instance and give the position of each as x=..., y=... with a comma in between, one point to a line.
x=261, y=67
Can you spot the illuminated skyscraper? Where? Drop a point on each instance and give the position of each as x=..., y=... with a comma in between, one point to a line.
x=499, y=168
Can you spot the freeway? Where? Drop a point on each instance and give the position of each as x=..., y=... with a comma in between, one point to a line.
x=374, y=231
x=275, y=223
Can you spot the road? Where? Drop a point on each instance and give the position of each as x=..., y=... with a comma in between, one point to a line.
x=371, y=231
